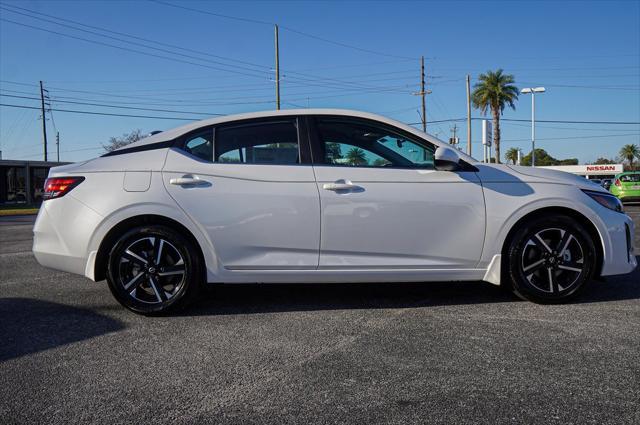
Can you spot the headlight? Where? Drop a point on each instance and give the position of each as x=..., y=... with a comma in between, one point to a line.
x=606, y=200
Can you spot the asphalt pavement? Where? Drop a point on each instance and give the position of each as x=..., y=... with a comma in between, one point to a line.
x=361, y=353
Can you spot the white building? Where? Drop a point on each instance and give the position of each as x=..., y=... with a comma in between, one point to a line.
x=600, y=171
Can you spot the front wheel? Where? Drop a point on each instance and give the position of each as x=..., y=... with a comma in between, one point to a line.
x=550, y=259
x=154, y=270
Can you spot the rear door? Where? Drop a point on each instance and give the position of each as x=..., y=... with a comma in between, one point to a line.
x=383, y=204
x=251, y=187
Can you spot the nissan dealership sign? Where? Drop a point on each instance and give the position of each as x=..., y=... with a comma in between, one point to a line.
x=589, y=170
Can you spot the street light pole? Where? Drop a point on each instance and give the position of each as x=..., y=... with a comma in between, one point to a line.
x=532, y=91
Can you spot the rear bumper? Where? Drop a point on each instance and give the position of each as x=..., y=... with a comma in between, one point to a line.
x=61, y=234
x=627, y=195
x=630, y=198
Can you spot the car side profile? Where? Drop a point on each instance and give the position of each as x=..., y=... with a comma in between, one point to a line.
x=321, y=195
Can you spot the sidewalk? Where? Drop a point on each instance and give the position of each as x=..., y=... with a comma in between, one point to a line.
x=18, y=211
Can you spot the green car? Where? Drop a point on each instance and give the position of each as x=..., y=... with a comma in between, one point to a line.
x=626, y=186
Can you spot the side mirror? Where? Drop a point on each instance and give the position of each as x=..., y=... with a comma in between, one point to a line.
x=446, y=159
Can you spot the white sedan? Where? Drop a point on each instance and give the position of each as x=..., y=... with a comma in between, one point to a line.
x=321, y=195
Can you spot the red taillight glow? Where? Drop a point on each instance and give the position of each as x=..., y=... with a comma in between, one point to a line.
x=56, y=187
x=617, y=183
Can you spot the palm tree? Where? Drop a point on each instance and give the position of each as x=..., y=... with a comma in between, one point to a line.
x=630, y=152
x=512, y=155
x=356, y=156
x=495, y=91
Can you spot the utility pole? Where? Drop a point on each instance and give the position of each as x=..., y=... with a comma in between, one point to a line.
x=454, y=140
x=424, y=105
x=468, y=115
x=44, y=122
x=58, y=146
x=423, y=93
x=277, y=69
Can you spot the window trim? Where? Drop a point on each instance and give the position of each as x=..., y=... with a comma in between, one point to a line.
x=318, y=150
x=304, y=151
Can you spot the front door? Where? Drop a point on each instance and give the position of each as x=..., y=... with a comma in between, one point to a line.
x=251, y=189
x=383, y=204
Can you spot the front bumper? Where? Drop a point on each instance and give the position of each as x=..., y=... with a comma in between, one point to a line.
x=619, y=253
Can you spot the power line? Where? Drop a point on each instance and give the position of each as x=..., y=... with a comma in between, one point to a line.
x=111, y=106
x=575, y=86
x=566, y=128
x=573, y=122
x=572, y=137
x=150, y=47
x=33, y=12
x=130, y=50
x=547, y=121
x=295, y=31
x=219, y=15
x=101, y=113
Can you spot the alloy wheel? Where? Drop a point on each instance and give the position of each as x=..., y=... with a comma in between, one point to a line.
x=151, y=270
x=553, y=260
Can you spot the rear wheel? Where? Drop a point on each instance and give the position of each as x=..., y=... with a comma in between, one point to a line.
x=154, y=270
x=550, y=259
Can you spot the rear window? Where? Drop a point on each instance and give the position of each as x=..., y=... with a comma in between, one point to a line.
x=630, y=178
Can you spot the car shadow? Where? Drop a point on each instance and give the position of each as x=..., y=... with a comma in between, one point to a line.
x=613, y=288
x=28, y=326
x=269, y=298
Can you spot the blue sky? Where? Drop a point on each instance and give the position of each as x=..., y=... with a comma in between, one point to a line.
x=587, y=55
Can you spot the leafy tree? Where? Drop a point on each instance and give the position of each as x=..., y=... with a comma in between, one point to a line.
x=356, y=156
x=126, y=139
x=604, y=161
x=544, y=159
x=512, y=155
x=494, y=92
x=332, y=152
x=630, y=152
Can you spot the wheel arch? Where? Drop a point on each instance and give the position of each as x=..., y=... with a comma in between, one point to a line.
x=589, y=226
x=116, y=231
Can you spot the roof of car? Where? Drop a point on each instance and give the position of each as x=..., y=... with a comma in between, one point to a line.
x=178, y=131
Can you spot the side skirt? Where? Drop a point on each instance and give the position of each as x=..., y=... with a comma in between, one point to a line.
x=346, y=276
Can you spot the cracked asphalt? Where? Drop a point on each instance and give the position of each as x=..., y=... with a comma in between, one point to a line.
x=362, y=353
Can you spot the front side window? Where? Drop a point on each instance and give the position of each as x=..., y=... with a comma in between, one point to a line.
x=258, y=143
x=362, y=144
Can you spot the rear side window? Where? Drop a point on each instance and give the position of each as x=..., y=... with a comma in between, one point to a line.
x=201, y=146
x=274, y=142
x=630, y=178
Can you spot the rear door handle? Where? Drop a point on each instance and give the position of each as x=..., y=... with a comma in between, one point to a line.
x=342, y=185
x=189, y=181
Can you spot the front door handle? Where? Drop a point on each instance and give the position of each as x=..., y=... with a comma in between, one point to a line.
x=189, y=181
x=342, y=186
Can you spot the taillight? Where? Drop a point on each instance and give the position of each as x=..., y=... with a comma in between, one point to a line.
x=56, y=187
x=617, y=183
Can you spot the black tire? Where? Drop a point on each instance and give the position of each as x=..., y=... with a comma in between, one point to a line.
x=153, y=270
x=550, y=259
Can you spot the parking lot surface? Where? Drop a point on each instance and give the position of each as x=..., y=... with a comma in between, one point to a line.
x=366, y=353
